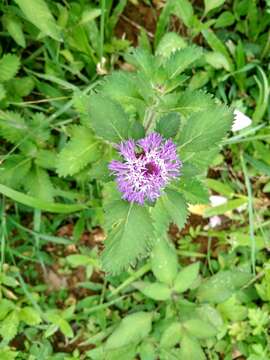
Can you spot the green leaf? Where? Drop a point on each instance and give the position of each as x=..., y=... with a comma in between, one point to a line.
x=217, y=45
x=186, y=277
x=3, y=92
x=170, y=42
x=40, y=204
x=180, y=60
x=39, y=185
x=14, y=169
x=130, y=235
x=222, y=209
x=21, y=86
x=5, y=307
x=82, y=149
x=8, y=354
x=66, y=328
x=204, y=130
x=190, y=349
x=193, y=101
x=220, y=187
x=217, y=60
x=169, y=208
x=199, y=328
x=184, y=10
x=9, y=326
x=157, y=291
x=212, y=4
x=39, y=14
x=172, y=335
x=164, y=262
x=132, y=329
x=225, y=19
x=9, y=66
x=194, y=191
x=14, y=28
x=30, y=316
x=168, y=125
x=12, y=126
x=79, y=260
x=222, y=285
x=108, y=119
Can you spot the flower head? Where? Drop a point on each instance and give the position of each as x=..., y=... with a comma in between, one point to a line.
x=147, y=166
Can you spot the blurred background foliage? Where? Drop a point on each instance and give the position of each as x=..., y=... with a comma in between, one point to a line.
x=56, y=303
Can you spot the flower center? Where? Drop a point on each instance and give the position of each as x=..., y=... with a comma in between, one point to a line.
x=152, y=168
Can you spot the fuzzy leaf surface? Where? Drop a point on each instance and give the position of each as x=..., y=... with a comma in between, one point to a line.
x=108, y=119
x=82, y=149
x=130, y=235
x=204, y=130
x=180, y=60
x=169, y=208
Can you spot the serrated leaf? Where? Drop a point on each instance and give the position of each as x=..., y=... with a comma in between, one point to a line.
x=222, y=285
x=108, y=119
x=144, y=61
x=199, y=328
x=39, y=185
x=169, y=43
x=204, y=130
x=12, y=126
x=30, y=316
x=22, y=86
x=180, y=60
x=156, y=291
x=164, y=262
x=5, y=307
x=130, y=235
x=46, y=159
x=132, y=329
x=193, y=101
x=9, y=326
x=39, y=14
x=194, y=191
x=81, y=150
x=186, y=277
x=169, y=208
x=9, y=66
x=14, y=169
x=168, y=125
x=14, y=28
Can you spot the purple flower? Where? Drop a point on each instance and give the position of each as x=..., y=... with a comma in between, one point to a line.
x=147, y=167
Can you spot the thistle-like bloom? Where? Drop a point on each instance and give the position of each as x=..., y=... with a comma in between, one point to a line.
x=147, y=167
